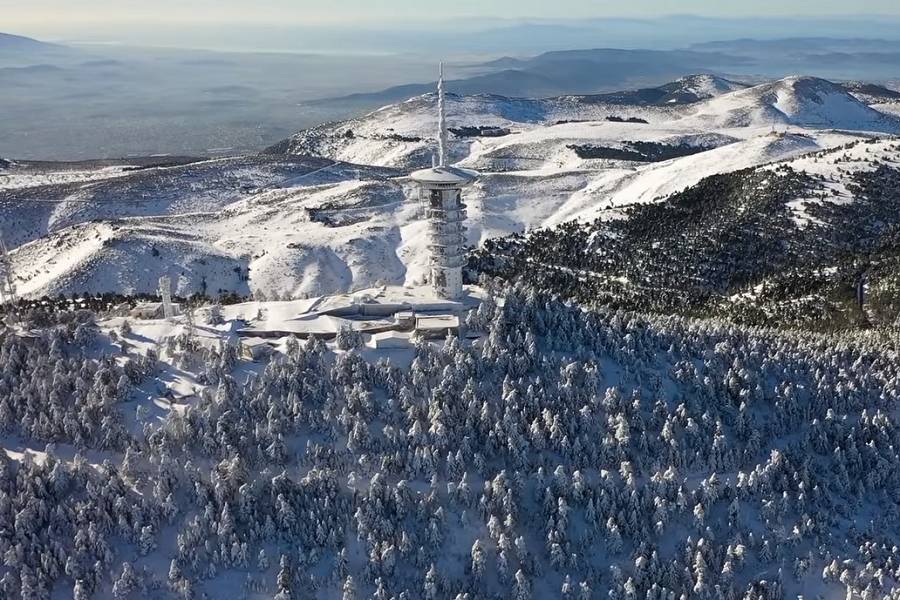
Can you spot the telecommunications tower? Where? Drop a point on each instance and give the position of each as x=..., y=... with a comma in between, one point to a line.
x=440, y=191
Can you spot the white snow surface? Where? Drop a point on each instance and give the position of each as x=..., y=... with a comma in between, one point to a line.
x=294, y=227
x=708, y=86
x=800, y=101
x=15, y=181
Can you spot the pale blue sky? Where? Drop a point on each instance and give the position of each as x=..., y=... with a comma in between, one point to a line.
x=64, y=14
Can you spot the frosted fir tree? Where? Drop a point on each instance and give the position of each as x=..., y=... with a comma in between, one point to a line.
x=126, y=583
x=262, y=560
x=432, y=584
x=348, y=338
x=285, y=579
x=521, y=587
x=478, y=560
x=214, y=314
x=147, y=541
x=80, y=592
x=175, y=574
x=348, y=590
x=584, y=591
x=86, y=334
x=380, y=590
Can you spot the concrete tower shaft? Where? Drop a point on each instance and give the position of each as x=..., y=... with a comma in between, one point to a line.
x=440, y=192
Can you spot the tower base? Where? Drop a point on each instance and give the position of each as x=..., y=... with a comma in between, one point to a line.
x=447, y=282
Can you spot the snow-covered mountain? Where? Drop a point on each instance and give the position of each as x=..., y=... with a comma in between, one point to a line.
x=785, y=243
x=871, y=93
x=678, y=379
x=800, y=101
x=567, y=452
x=402, y=135
x=694, y=88
x=330, y=209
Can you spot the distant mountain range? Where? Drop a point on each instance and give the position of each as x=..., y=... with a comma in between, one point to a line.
x=561, y=73
x=593, y=71
x=816, y=45
x=18, y=43
x=401, y=135
x=84, y=102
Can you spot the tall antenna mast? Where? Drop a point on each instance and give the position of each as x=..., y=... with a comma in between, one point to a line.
x=7, y=286
x=442, y=120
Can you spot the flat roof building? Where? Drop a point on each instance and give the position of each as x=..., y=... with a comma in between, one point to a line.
x=437, y=326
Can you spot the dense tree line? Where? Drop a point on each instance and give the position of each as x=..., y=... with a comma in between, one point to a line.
x=567, y=453
x=732, y=246
x=637, y=151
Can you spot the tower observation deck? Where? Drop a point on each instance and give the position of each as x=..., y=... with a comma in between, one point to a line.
x=440, y=192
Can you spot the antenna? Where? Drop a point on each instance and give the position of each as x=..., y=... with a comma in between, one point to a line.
x=442, y=120
x=7, y=286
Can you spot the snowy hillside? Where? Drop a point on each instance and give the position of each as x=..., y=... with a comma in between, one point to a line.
x=677, y=377
x=871, y=93
x=788, y=243
x=800, y=101
x=564, y=454
x=345, y=218
x=402, y=135
x=698, y=87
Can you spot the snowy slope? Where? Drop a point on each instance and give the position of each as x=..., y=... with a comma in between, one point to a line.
x=567, y=453
x=698, y=87
x=403, y=135
x=801, y=101
x=314, y=239
x=654, y=182
x=832, y=170
x=37, y=207
x=290, y=225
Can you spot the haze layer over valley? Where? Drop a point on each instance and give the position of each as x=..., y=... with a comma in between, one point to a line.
x=103, y=96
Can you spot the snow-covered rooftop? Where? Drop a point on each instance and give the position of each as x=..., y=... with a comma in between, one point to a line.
x=444, y=176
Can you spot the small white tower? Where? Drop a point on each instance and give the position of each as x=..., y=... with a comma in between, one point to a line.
x=7, y=285
x=440, y=191
x=165, y=292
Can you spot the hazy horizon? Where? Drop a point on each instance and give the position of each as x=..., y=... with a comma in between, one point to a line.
x=46, y=13
x=136, y=81
x=289, y=29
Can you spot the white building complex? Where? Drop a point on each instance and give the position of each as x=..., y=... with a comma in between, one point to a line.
x=440, y=191
x=387, y=318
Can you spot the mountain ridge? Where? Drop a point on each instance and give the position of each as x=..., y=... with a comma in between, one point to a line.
x=332, y=211
x=797, y=100
x=401, y=134
x=18, y=43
